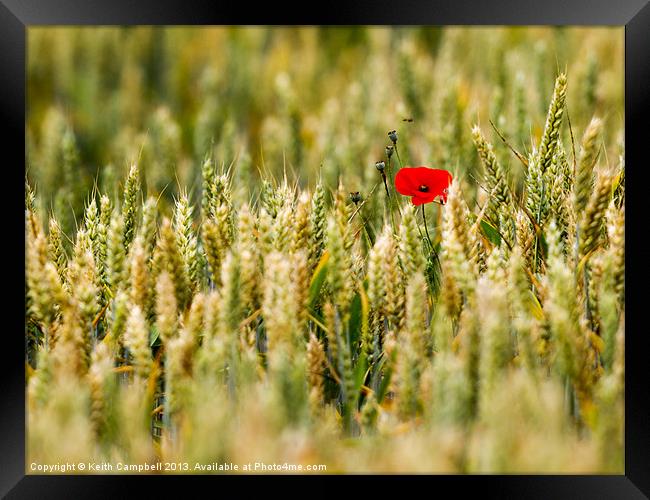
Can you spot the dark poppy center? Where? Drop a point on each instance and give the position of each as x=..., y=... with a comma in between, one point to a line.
x=423, y=188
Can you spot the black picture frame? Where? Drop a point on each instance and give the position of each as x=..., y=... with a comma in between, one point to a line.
x=17, y=15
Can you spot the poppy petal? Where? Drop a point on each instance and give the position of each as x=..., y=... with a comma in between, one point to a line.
x=409, y=180
x=406, y=181
x=437, y=180
x=421, y=200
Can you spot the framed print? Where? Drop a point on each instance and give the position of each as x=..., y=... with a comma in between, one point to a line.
x=386, y=240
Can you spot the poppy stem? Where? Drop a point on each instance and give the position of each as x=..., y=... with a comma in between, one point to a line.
x=389, y=201
x=392, y=216
x=398, y=157
x=395, y=199
x=426, y=229
x=383, y=176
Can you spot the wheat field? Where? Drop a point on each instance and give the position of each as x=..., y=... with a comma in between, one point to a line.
x=221, y=267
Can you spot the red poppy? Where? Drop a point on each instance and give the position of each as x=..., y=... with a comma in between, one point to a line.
x=423, y=184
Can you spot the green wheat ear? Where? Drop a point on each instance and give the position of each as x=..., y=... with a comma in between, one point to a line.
x=500, y=199
x=592, y=222
x=374, y=339
x=187, y=240
x=316, y=372
x=551, y=135
x=411, y=245
x=586, y=162
x=208, y=173
x=130, y=206
x=101, y=244
x=136, y=339
x=140, y=279
x=166, y=307
x=149, y=229
x=339, y=272
x=57, y=253
x=116, y=254
x=317, y=223
x=168, y=258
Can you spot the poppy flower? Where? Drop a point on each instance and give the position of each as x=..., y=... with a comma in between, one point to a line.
x=423, y=184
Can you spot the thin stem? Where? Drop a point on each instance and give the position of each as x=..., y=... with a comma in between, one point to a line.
x=383, y=176
x=397, y=204
x=398, y=157
x=426, y=229
x=420, y=231
x=396, y=200
x=505, y=141
x=389, y=201
x=364, y=227
x=360, y=205
x=431, y=251
x=392, y=217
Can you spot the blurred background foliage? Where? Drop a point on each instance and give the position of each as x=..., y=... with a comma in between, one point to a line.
x=305, y=100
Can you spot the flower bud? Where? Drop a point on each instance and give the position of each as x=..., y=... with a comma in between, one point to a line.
x=389, y=151
x=355, y=197
x=380, y=165
x=392, y=135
